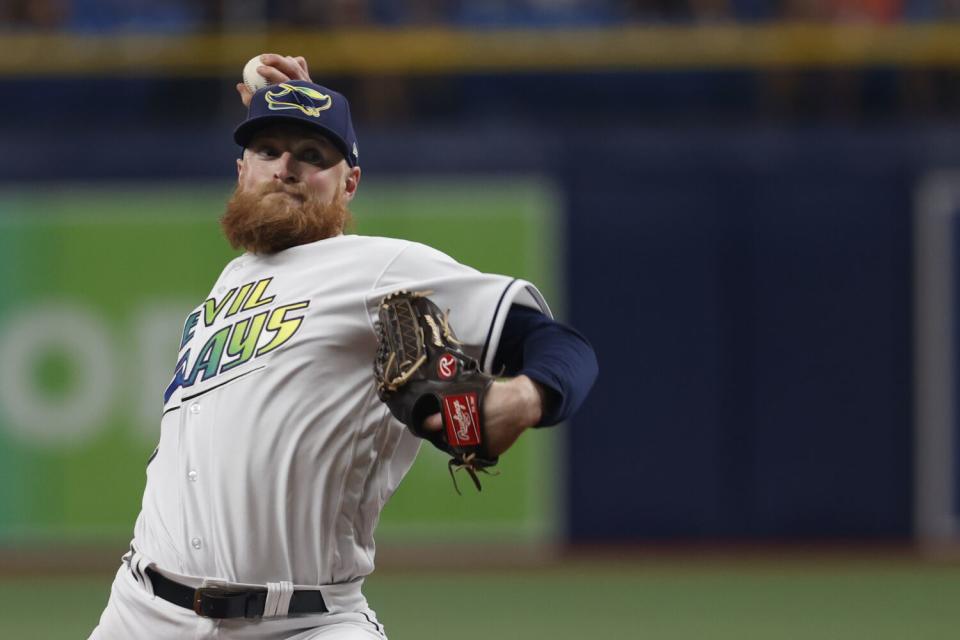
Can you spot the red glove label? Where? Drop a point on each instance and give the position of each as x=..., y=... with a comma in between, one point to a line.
x=462, y=418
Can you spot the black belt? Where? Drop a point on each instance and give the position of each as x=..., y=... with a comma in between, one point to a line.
x=216, y=601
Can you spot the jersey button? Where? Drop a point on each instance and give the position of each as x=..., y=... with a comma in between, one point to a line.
x=192, y=475
x=196, y=543
x=195, y=408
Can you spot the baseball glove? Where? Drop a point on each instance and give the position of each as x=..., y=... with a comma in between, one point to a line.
x=421, y=369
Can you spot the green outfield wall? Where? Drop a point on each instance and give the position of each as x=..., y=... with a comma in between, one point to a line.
x=96, y=282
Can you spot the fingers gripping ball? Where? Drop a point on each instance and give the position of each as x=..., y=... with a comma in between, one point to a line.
x=252, y=77
x=421, y=369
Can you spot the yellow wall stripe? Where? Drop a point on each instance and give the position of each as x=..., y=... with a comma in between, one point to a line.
x=441, y=51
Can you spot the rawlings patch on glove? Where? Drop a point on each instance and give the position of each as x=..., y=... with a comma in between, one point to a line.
x=421, y=369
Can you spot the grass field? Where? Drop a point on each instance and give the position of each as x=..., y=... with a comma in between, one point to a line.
x=667, y=598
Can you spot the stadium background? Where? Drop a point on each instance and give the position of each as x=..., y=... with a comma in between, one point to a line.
x=747, y=206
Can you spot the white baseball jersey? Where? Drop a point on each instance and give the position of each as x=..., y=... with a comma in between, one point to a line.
x=276, y=456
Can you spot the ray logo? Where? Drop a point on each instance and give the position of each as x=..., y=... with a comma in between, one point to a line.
x=310, y=101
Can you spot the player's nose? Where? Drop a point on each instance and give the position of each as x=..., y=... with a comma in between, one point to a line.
x=285, y=169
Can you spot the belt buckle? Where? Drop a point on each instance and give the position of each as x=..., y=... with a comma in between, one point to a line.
x=213, y=593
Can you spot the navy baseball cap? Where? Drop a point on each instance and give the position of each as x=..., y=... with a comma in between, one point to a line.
x=305, y=103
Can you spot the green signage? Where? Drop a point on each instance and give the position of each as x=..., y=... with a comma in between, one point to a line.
x=96, y=284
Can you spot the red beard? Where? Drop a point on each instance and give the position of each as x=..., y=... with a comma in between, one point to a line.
x=275, y=217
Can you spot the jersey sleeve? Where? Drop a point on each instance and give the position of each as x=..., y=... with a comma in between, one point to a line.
x=478, y=302
x=551, y=353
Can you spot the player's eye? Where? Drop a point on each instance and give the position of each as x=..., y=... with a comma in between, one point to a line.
x=312, y=156
x=267, y=151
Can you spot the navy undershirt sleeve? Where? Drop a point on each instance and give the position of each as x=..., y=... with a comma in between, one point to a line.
x=551, y=353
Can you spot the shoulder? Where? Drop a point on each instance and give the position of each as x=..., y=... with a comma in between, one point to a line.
x=401, y=253
x=407, y=262
x=410, y=247
x=372, y=241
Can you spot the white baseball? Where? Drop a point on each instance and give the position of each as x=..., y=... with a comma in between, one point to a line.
x=251, y=78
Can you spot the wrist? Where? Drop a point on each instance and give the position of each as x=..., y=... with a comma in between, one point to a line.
x=532, y=400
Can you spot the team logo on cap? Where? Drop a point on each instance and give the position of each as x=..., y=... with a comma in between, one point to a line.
x=310, y=101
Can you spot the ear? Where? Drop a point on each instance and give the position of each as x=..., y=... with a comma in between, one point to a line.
x=350, y=183
x=239, y=167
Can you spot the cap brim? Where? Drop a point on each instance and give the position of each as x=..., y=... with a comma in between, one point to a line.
x=245, y=132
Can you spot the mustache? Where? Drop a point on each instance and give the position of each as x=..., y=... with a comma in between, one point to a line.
x=292, y=189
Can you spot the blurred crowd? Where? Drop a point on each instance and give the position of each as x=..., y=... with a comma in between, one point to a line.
x=185, y=15
x=873, y=93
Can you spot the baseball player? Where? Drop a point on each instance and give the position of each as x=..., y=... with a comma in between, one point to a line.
x=275, y=454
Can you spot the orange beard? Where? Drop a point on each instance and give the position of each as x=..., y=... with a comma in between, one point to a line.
x=275, y=217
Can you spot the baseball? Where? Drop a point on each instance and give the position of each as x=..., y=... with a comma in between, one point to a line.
x=251, y=78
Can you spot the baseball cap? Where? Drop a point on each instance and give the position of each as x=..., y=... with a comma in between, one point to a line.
x=305, y=103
